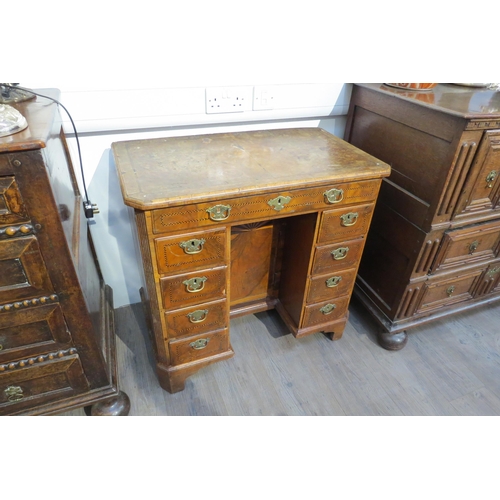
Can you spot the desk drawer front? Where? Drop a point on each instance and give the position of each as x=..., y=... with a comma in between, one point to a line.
x=12, y=207
x=329, y=286
x=325, y=312
x=197, y=319
x=345, y=223
x=191, y=251
x=198, y=347
x=331, y=258
x=268, y=206
x=193, y=288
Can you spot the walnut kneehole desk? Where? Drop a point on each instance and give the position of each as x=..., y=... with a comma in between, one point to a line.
x=237, y=223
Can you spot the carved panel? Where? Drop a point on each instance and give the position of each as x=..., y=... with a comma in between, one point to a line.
x=12, y=208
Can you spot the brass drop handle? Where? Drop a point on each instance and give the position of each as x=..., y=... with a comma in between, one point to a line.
x=279, y=202
x=199, y=344
x=198, y=316
x=14, y=393
x=473, y=247
x=490, y=178
x=340, y=253
x=349, y=219
x=333, y=281
x=328, y=309
x=192, y=246
x=334, y=195
x=195, y=284
x=219, y=212
x=450, y=290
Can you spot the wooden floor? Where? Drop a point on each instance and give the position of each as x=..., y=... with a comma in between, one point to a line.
x=448, y=367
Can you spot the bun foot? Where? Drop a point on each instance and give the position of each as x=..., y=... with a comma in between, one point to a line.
x=117, y=406
x=392, y=341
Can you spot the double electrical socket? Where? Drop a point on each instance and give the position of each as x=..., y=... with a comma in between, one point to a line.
x=238, y=99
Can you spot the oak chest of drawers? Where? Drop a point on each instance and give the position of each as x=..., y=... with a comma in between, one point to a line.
x=57, y=345
x=231, y=224
x=433, y=247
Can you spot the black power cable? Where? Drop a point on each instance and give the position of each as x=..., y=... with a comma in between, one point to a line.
x=87, y=205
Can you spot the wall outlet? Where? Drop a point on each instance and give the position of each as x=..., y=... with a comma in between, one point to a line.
x=263, y=98
x=228, y=99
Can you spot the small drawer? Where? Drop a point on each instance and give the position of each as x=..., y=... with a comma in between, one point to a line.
x=325, y=312
x=197, y=319
x=200, y=286
x=331, y=258
x=12, y=207
x=24, y=386
x=345, y=223
x=198, y=347
x=468, y=246
x=329, y=286
x=438, y=293
x=175, y=254
x=268, y=206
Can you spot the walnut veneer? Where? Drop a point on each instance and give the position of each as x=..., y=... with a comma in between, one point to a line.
x=231, y=224
x=433, y=247
x=57, y=344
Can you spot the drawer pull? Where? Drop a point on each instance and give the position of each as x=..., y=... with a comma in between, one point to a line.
x=333, y=281
x=14, y=393
x=195, y=284
x=491, y=273
x=279, y=202
x=450, y=290
x=219, y=212
x=334, y=195
x=199, y=344
x=473, y=247
x=192, y=246
x=340, y=253
x=328, y=309
x=349, y=219
x=490, y=178
x=1, y=347
x=198, y=316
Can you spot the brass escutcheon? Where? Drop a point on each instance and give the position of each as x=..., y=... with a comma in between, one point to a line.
x=333, y=281
x=195, y=284
x=490, y=178
x=14, y=393
x=219, y=212
x=328, y=309
x=199, y=344
x=450, y=290
x=492, y=272
x=279, y=202
x=192, y=246
x=334, y=195
x=340, y=253
x=198, y=316
x=349, y=219
x=473, y=247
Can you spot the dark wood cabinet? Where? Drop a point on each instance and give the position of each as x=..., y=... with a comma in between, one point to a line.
x=57, y=339
x=433, y=247
x=232, y=224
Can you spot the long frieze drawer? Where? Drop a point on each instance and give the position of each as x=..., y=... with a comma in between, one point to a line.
x=32, y=329
x=266, y=206
x=345, y=223
x=468, y=245
x=193, y=288
x=331, y=258
x=439, y=293
x=191, y=251
x=23, y=385
x=12, y=208
x=197, y=319
x=325, y=312
x=329, y=286
x=198, y=347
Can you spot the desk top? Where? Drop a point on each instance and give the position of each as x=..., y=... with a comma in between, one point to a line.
x=158, y=173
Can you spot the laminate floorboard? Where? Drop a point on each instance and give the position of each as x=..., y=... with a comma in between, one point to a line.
x=449, y=367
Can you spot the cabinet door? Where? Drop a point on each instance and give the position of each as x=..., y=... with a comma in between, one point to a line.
x=482, y=189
